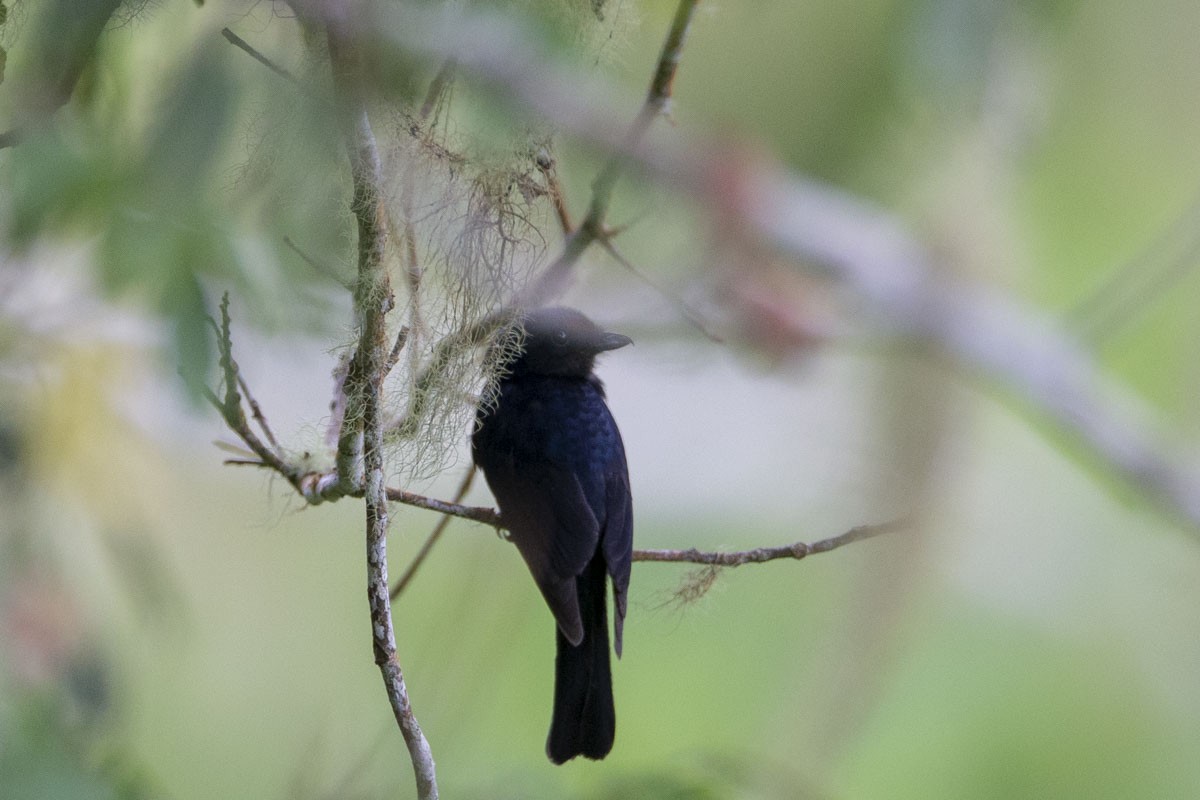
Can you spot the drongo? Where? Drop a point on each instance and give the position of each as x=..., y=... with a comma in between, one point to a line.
x=553, y=457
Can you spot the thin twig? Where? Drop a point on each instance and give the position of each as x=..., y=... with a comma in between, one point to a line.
x=256, y=413
x=685, y=311
x=658, y=97
x=394, y=355
x=547, y=165
x=1131, y=288
x=481, y=514
x=320, y=268
x=760, y=555
x=249, y=49
x=433, y=538
x=438, y=87
x=230, y=406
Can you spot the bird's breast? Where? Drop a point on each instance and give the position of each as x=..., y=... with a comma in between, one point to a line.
x=562, y=421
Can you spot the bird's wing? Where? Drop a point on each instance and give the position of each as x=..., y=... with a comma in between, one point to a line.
x=617, y=541
x=549, y=520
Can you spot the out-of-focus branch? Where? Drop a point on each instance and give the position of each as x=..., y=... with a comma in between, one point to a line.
x=437, y=89
x=886, y=273
x=1131, y=288
x=251, y=51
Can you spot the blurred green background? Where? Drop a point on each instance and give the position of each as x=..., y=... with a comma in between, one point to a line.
x=172, y=627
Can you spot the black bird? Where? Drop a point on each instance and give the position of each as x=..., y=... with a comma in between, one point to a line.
x=553, y=457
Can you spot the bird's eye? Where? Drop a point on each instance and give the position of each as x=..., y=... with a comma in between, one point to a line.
x=560, y=337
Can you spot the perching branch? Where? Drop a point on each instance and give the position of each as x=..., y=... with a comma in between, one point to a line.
x=309, y=483
x=760, y=555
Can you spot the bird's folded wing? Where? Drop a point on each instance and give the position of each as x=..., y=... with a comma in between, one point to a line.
x=617, y=543
x=549, y=520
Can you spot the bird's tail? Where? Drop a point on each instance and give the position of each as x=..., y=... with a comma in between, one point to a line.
x=584, y=720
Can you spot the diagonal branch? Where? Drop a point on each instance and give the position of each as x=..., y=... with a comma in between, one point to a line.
x=551, y=282
x=658, y=98
x=251, y=51
x=230, y=406
x=433, y=538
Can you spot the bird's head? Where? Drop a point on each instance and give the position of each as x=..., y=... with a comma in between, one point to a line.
x=562, y=341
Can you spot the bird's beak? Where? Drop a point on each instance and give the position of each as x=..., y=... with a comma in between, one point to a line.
x=611, y=341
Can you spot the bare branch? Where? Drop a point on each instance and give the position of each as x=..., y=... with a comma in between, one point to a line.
x=246, y=47
x=685, y=311
x=394, y=355
x=364, y=385
x=257, y=414
x=321, y=269
x=438, y=530
x=547, y=165
x=230, y=407
x=551, y=281
x=760, y=555
x=486, y=516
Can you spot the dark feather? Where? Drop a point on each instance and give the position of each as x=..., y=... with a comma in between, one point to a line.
x=553, y=457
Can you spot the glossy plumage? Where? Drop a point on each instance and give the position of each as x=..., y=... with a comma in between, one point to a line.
x=553, y=457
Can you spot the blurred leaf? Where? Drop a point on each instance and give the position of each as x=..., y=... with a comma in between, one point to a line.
x=59, y=185
x=193, y=343
x=987, y=708
x=160, y=261
x=62, y=47
x=181, y=154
